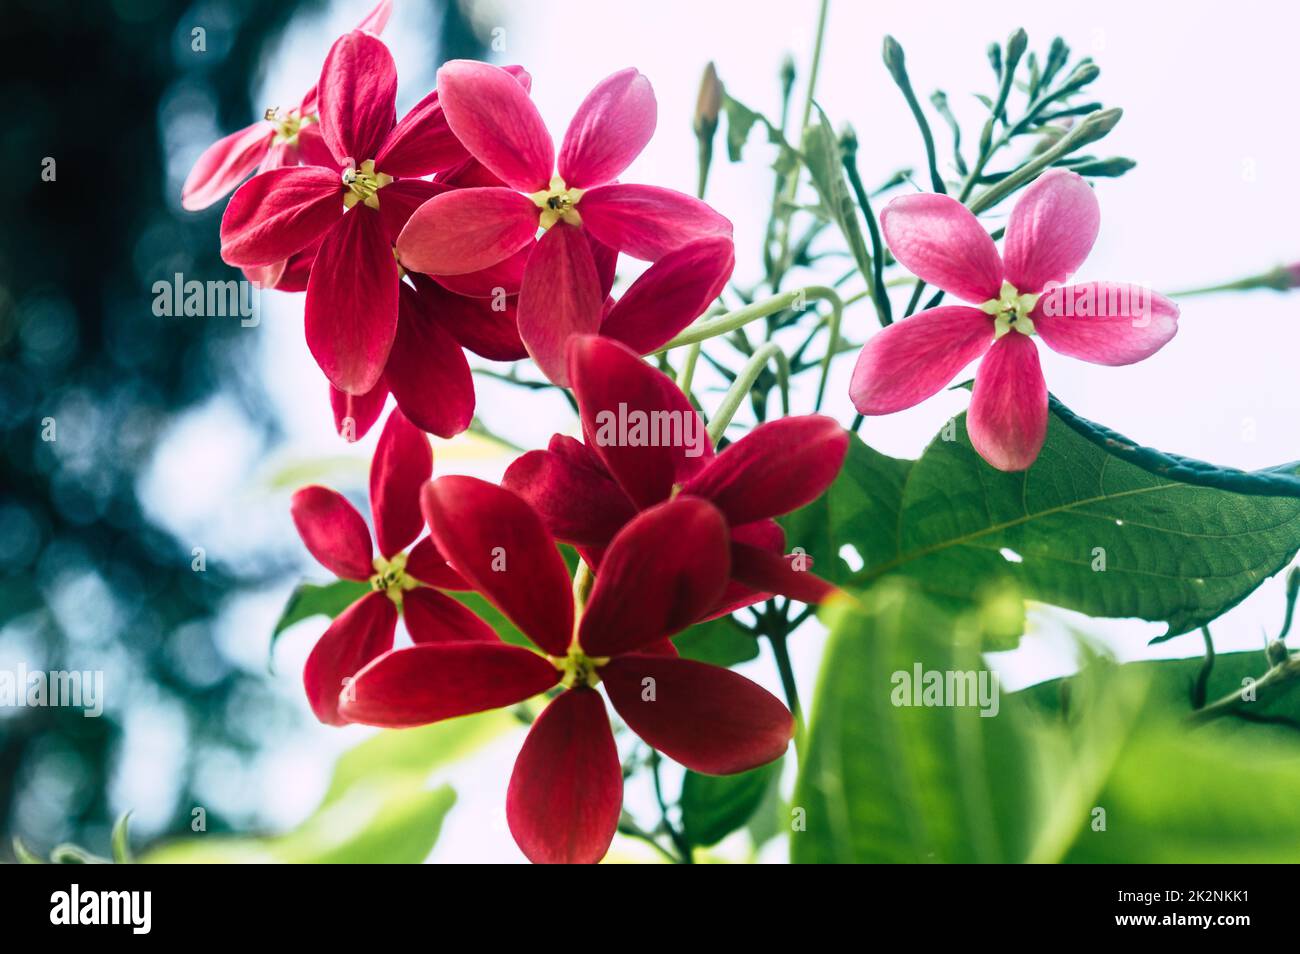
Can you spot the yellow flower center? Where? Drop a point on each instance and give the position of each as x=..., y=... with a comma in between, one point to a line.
x=286, y=126
x=558, y=204
x=363, y=184
x=390, y=578
x=1010, y=311
x=578, y=668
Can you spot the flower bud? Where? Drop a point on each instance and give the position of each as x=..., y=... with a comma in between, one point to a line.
x=893, y=56
x=709, y=103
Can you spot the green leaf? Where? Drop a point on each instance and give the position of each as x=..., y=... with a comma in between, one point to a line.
x=316, y=599
x=721, y=642
x=1083, y=528
x=25, y=855
x=822, y=156
x=881, y=782
x=741, y=120
x=713, y=806
x=121, y=840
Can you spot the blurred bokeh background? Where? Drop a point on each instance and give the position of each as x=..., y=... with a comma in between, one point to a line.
x=173, y=434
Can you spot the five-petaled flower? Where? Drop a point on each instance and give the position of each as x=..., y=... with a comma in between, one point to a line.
x=1051, y=230
x=663, y=571
x=355, y=204
x=587, y=490
x=475, y=228
x=401, y=580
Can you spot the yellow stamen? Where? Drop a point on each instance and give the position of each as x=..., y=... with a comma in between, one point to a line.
x=363, y=184
x=1011, y=311
x=579, y=669
x=558, y=204
x=390, y=578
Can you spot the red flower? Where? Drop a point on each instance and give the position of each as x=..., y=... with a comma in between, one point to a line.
x=475, y=228
x=586, y=491
x=372, y=178
x=402, y=581
x=269, y=143
x=662, y=572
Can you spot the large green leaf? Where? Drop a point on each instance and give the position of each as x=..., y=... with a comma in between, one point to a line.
x=1104, y=766
x=721, y=642
x=1082, y=528
x=713, y=806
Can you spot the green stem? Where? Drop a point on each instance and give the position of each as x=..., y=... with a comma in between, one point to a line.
x=744, y=383
x=708, y=328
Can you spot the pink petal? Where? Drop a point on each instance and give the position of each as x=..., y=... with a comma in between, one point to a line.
x=265, y=276
x=358, y=97
x=767, y=572
x=398, y=201
x=377, y=18
x=774, y=469
x=297, y=270
x=648, y=222
x=312, y=150
x=566, y=791
x=467, y=230
x=938, y=240
x=427, y=564
x=427, y=370
x=432, y=617
x=912, y=359
x=430, y=682
x=1051, y=231
x=560, y=298
x=1105, y=322
x=277, y=213
x=573, y=492
x=708, y=718
x=224, y=164
x=505, y=276
x=355, y=414
x=422, y=143
x=475, y=323
x=498, y=543
x=490, y=112
x=608, y=131
x=1007, y=421
x=606, y=259
x=614, y=387
x=403, y=461
x=671, y=294
x=662, y=572
x=351, y=307
x=333, y=531
x=360, y=633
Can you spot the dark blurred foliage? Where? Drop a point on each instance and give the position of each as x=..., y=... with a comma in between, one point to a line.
x=85, y=581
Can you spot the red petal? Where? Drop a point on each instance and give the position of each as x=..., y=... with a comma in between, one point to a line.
x=611, y=383
x=498, y=543
x=399, y=200
x=297, y=270
x=429, y=682
x=765, y=535
x=432, y=617
x=504, y=277
x=767, y=572
x=333, y=532
x=560, y=298
x=422, y=143
x=403, y=461
x=427, y=370
x=709, y=719
x=774, y=469
x=490, y=112
x=566, y=791
x=426, y=564
x=609, y=130
x=662, y=572
x=225, y=164
x=355, y=414
x=352, y=302
x=670, y=294
x=648, y=222
x=475, y=323
x=358, y=97
x=575, y=495
x=277, y=213
x=359, y=634
x=467, y=230
x=313, y=151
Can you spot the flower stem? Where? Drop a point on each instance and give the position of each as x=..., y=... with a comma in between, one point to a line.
x=744, y=383
x=725, y=324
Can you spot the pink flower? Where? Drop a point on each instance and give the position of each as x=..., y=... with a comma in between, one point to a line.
x=270, y=143
x=471, y=229
x=401, y=580
x=355, y=202
x=1051, y=230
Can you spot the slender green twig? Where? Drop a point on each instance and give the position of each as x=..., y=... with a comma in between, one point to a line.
x=744, y=383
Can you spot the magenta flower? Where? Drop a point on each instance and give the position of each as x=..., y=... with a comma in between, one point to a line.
x=270, y=143
x=356, y=205
x=664, y=570
x=401, y=581
x=1051, y=230
x=472, y=229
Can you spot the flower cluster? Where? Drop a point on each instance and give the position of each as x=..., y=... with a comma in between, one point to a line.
x=459, y=227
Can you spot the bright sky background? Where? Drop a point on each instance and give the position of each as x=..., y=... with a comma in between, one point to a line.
x=1210, y=200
